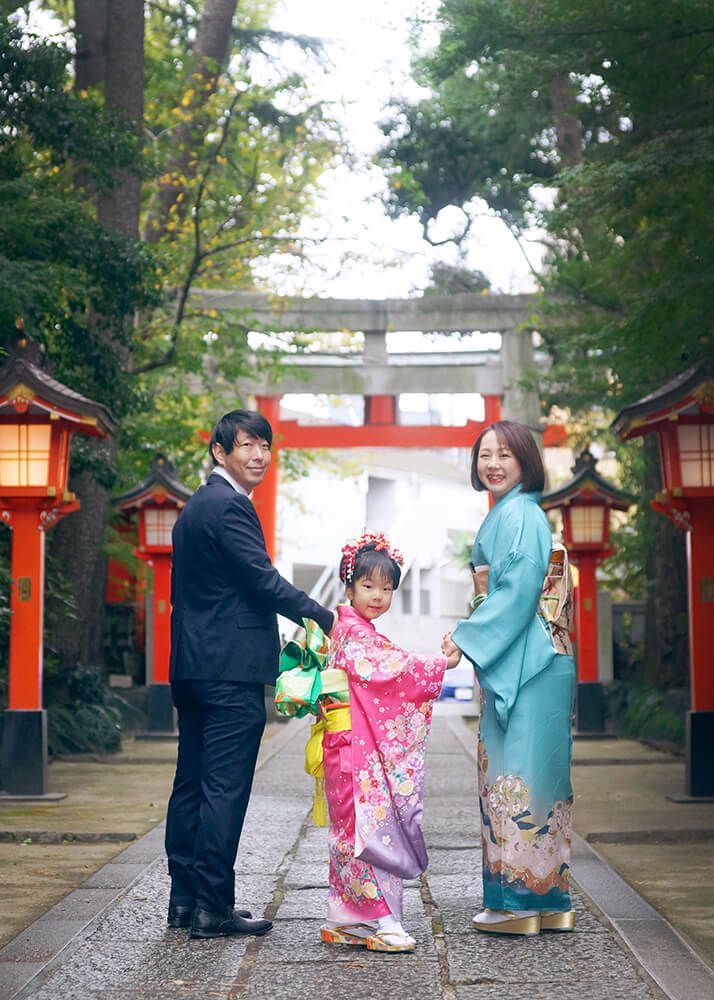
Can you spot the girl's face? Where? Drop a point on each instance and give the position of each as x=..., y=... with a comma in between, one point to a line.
x=496, y=466
x=371, y=595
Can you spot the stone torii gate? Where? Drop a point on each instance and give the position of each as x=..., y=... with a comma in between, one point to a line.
x=380, y=377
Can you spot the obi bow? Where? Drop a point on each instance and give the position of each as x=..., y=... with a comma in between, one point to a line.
x=299, y=684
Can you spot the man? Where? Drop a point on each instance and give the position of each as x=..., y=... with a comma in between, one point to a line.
x=224, y=648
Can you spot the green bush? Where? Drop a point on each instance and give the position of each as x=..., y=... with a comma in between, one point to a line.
x=643, y=714
x=90, y=722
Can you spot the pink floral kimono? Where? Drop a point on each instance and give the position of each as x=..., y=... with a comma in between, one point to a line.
x=374, y=774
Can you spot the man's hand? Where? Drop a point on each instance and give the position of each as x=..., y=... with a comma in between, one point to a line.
x=450, y=650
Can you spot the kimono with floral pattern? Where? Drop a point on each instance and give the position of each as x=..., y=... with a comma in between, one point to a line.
x=374, y=775
x=527, y=684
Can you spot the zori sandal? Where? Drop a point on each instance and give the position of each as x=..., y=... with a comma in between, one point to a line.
x=355, y=935
x=509, y=923
x=558, y=921
x=392, y=941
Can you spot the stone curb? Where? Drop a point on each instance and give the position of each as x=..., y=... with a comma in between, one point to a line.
x=659, y=950
x=40, y=944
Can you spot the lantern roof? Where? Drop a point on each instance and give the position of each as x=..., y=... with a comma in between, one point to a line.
x=162, y=486
x=691, y=393
x=26, y=386
x=587, y=484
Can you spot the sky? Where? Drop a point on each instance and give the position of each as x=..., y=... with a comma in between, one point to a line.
x=366, y=253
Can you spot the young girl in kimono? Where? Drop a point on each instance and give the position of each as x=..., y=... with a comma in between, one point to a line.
x=517, y=639
x=373, y=757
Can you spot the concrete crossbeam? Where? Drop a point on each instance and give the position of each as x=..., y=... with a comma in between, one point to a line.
x=462, y=313
x=386, y=380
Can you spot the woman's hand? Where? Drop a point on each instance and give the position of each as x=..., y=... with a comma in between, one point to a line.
x=450, y=650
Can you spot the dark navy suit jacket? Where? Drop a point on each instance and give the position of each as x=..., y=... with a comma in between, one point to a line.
x=225, y=592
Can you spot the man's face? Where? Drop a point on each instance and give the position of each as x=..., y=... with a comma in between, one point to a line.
x=248, y=462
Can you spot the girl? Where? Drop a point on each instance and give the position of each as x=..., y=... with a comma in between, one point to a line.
x=519, y=645
x=373, y=757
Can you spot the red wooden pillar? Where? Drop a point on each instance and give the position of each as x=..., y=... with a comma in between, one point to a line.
x=26, y=610
x=586, y=618
x=161, y=609
x=380, y=410
x=265, y=496
x=700, y=569
x=491, y=409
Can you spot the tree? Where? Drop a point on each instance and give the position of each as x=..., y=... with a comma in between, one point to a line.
x=227, y=170
x=610, y=106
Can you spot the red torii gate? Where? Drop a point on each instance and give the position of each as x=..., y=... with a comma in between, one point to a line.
x=380, y=430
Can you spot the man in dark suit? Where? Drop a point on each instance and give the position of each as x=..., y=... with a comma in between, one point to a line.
x=225, y=594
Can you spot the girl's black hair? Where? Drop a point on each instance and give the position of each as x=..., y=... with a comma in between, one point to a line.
x=369, y=562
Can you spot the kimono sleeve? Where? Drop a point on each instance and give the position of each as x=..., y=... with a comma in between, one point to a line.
x=515, y=583
x=371, y=659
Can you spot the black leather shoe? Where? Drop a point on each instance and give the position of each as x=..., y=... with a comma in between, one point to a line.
x=181, y=916
x=212, y=925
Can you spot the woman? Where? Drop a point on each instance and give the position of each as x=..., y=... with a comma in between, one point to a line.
x=527, y=684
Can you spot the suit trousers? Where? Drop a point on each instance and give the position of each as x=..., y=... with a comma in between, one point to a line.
x=220, y=728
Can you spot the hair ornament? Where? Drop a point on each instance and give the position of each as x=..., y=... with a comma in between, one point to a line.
x=369, y=539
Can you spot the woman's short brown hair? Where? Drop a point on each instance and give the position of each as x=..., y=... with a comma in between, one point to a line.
x=521, y=443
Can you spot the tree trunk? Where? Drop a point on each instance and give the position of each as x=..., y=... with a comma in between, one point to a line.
x=568, y=127
x=210, y=55
x=124, y=93
x=666, y=638
x=91, y=21
x=110, y=49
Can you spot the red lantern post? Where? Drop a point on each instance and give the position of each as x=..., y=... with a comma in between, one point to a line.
x=38, y=416
x=681, y=414
x=157, y=502
x=586, y=502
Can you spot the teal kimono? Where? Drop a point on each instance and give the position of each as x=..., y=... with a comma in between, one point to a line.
x=527, y=691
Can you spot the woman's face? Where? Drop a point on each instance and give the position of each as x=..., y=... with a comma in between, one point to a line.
x=371, y=595
x=496, y=466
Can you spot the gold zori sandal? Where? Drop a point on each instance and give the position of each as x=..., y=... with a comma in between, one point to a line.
x=528, y=926
x=346, y=935
x=563, y=920
x=391, y=941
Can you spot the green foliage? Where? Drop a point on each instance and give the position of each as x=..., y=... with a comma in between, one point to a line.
x=609, y=104
x=455, y=279
x=642, y=713
x=244, y=158
x=58, y=267
x=605, y=109
x=89, y=722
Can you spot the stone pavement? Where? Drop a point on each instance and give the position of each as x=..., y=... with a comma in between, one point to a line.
x=109, y=938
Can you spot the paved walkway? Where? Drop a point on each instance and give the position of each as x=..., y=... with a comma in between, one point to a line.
x=109, y=938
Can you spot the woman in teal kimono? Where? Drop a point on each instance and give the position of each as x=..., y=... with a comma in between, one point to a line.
x=520, y=653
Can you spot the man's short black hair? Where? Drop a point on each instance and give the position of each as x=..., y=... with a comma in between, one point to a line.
x=225, y=431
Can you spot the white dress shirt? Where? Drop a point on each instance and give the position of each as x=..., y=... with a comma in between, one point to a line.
x=220, y=471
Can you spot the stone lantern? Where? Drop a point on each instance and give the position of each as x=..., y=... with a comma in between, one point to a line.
x=681, y=414
x=585, y=503
x=157, y=503
x=38, y=416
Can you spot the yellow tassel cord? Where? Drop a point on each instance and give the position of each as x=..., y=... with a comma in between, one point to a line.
x=338, y=721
